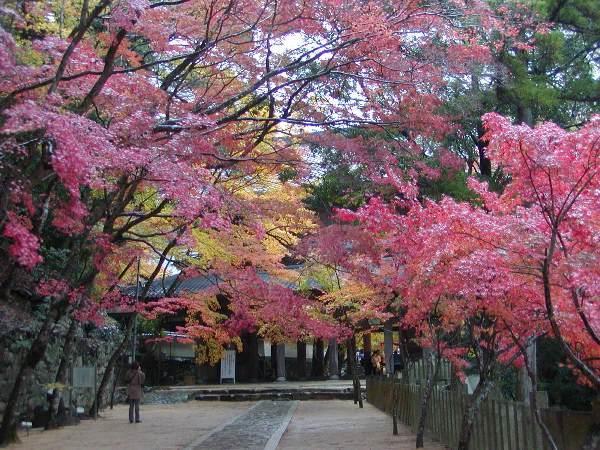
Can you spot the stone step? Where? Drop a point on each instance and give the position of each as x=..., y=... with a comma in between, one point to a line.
x=241, y=392
x=279, y=395
x=273, y=390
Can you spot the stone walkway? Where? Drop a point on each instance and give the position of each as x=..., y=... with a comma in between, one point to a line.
x=259, y=428
x=285, y=425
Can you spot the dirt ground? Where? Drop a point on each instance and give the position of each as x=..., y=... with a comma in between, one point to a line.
x=318, y=424
x=163, y=427
x=341, y=425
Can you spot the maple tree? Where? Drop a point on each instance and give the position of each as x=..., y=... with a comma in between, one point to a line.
x=157, y=129
x=518, y=265
x=117, y=137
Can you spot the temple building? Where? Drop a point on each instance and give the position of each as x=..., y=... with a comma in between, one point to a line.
x=171, y=359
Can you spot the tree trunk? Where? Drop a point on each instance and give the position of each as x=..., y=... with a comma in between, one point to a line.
x=432, y=375
x=524, y=115
x=8, y=432
x=355, y=378
x=114, y=386
x=110, y=367
x=530, y=367
x=54, y=420
x=481, y=392
x=350, y=356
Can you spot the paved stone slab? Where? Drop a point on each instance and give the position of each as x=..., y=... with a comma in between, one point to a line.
x=252, y=430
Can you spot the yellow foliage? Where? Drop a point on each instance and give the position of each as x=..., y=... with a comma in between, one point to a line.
x=210, y=351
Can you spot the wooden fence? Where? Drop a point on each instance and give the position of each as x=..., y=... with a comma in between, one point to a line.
x=500, y=424
x=417, y=370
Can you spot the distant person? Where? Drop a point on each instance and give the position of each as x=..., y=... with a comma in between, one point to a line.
x=360, y=354
x=397, y=360
x=377, y=362
x=135, y=382
x=366, y=362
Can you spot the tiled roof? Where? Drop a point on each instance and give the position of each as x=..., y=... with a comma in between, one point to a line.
x=160, y=287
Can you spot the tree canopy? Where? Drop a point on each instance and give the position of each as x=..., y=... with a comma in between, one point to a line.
x=436, y=162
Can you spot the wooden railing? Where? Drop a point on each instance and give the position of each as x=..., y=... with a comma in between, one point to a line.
x=499, y=425
x=417, y=370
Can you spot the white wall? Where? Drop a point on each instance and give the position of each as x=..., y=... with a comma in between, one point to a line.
x=176, y=350
x=291, y=350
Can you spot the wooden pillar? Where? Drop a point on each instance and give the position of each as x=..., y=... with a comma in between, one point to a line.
x=388, y=347
x=333, y=360
x=318, y=365
x=280, y=362
x=301, y=360
x=252, y=356
x=351, y=344
x=367, y=353
x=274, y=360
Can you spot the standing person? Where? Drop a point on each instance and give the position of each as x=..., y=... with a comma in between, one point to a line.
x=377, y=363
x=397, y=358
x=135, y=379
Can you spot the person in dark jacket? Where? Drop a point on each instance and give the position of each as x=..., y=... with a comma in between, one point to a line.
x=135, y=381
x=398, y=360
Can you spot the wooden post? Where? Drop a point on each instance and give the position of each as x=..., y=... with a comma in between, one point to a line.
x=301, y=360
x=281, y=362
x=333, y=360
x=251, y=356
x=274, y=360
x=350, y=355
x=318, y=366
x=516, y=429
x=524, y=409
x=509, y=439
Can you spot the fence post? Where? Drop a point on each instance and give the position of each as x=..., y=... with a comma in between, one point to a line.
x=524, y=425
x=516, y=417
x=498, y=413
x=476, y=427
x=534, y=428
x=509, y=440
x=453, y=416
x=485, y=426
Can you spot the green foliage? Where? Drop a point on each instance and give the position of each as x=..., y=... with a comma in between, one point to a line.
x=558, y=80
x=324, y=277
x=288, y=174
x=337, y=189
x=507, y=382
x=452, y=184
x=149, y=326
x=558, y=379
